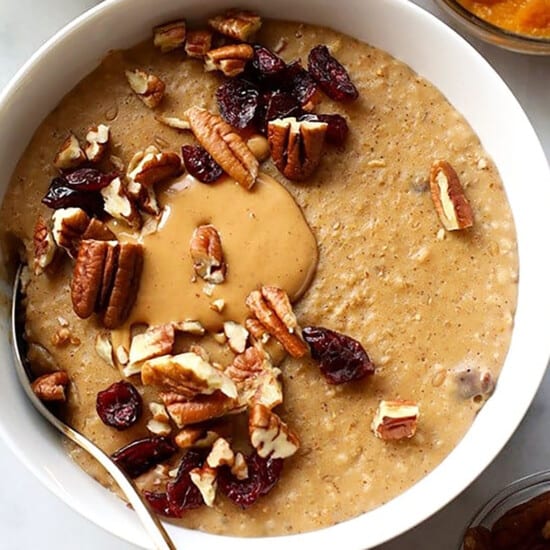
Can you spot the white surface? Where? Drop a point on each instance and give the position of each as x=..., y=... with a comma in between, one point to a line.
x=32, y=518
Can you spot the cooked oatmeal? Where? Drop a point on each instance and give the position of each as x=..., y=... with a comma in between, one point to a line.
x=358, y=246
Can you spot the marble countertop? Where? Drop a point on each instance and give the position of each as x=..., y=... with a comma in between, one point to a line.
x=31, y=517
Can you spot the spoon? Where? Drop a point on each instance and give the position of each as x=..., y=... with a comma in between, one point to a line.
x=159, y=537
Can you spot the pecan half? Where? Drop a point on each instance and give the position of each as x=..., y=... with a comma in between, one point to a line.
x=154, y=342
x=51, y=387
x=70, y=155
x=296, y=146
x=44, y=246
x=256, y=330
x=97, y=141
x=198, y=43
x=225, y=146
x=200, y=409
x=449, y=198
x=257, y=380
x=395, y=419
x=230, y=60
x=148, y=87
x=69, y=224
x=207, y=254
x=187, y=375
x=269, y=435
x=169, y=36
x=117, y=203
x=237, y=24
x=272, y=308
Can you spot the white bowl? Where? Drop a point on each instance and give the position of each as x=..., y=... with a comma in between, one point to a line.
x=436, y=52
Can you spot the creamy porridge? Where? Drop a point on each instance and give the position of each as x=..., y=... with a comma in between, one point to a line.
x=360, y=246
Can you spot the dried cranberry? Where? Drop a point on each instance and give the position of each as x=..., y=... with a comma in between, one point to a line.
x=342, y=359
x=160, y=504
x=60, y=195
x=141, y=455
x=330, y=74
x=263, y=474
x=200, y=164
x=119, y=406
x=337, y=130
x=182, y=493
x=267, y=65
x=88, y=179
x=300, y=83
x=277, y=105
x=238, y=101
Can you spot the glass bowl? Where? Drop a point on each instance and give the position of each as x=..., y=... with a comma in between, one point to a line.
x=512, y=495
x=492, y=34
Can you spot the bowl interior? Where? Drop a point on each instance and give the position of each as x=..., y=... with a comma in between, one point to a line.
x=408, y=33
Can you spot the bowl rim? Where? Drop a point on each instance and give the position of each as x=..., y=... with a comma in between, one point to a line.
x=457, y=483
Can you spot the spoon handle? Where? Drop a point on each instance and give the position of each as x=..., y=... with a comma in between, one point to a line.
x=160, y=538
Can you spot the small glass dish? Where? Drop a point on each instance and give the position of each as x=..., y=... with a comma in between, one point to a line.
x=512, y=495
x=492, y=34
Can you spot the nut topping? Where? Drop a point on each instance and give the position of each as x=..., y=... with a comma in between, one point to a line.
x=240, y=467
x=51, y=387
x=186, y=374
x=98, y=231
x=195, y=437
x=117, y=204
x=68, y=226
x=207, y=254
x=237, y=336
x=272, y=308
x=202, y=408
x=225, y=146
x=269, y=435
x=97, y=140
x=173, y=122
x=169, y=36
x=44, y=246
x=395, y=419
x=237, y=24
x=221, y=454
x=230, y=60
x=154, y=342
x=104, y=347
x=198, y=43
x=204, y=479
x=296, y=146
x=256, y=378
x=70, y=154
x=448, y=197
x=148, y=87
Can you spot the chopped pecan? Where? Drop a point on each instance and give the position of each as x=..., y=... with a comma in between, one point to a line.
x=198, y=43
x=44, y=246
x=221, y=454
x=97, y=141
x=296, y=146
x=269, y=435
x=272, y=308
x=225, y=146
x=191, y=327
x=51, y=387
x=186, y=374
x=237, y=24
x=237, y=336
x=218, y=305
x=159, y=428
x=395, y=419
x=204, y=478
x=257, y=380
x=63, y=336
x=98, y=231
x=230, y=60
x=70, y=155
x=207, y=254
x=104, y=347
x=117, y=203
x=173, y=122
x=69, y=224
x=159, y=412
x=170, y=36
x=240, y=467
x=200, y=409
x=195, y=437
x=148, y=87
x=448, y=197
x=154, y=342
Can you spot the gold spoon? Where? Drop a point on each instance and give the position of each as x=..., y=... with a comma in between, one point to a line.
x=159, y=537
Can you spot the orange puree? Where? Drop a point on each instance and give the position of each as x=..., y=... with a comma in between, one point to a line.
x=530, y=17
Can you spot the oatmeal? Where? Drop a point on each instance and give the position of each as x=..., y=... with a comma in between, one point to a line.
x=238, y=278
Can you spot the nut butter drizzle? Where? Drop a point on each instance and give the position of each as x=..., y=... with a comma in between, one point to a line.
x=266, y=240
